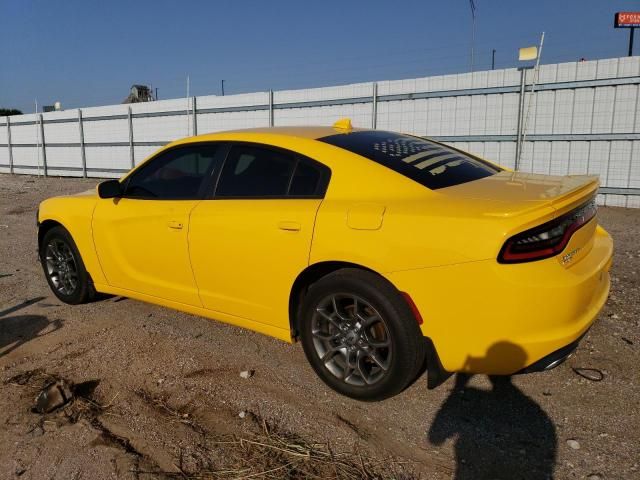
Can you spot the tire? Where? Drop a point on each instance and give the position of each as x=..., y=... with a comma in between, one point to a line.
x=360, y=336
x=64, y=269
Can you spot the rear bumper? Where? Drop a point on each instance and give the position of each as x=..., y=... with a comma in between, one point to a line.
x=554, y=359
x=483, y=317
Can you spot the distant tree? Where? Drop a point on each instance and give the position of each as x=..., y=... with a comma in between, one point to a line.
x=5, y=112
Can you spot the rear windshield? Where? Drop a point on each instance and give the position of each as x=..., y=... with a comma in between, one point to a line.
x=428, y=163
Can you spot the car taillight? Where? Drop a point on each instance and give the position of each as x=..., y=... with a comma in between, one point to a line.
x=548, y=239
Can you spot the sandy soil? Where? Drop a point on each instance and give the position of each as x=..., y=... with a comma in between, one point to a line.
x=161, y=393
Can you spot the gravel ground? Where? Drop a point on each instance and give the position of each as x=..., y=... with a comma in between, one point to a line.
x=161, y=390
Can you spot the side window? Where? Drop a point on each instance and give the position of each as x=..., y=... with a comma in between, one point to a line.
x=309, y=179
x=176, y=174
x=255, y=172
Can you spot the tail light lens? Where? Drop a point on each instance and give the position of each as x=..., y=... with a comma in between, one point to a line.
x=548, y=239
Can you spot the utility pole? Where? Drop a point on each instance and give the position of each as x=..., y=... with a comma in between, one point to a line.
x=631, y=30
x=493, y=59
x=222, y=85
x=472, y=5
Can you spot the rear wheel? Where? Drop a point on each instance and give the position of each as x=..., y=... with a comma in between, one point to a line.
x=63, y=267
x=360, y=336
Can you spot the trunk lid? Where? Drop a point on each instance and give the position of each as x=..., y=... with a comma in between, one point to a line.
x=508, y=194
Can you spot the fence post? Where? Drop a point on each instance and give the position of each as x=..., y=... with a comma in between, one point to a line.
x=523, y=76
x=9, y=147
x=374, y=105
x=131, y=149
x=83, y=156
x=44, y=147
x=194, y=119
x=271, y=108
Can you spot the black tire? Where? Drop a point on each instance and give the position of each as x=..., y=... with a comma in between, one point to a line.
x=357, y=355
x=65, y=273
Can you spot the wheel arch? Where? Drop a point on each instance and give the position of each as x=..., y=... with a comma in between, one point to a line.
x=305, y=279
x=45, y=226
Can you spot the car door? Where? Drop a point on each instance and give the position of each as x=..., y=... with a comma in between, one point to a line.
x=250, y=241
x=141, y=237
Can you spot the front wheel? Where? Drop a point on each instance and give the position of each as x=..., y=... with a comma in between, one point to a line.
x=360, y=336
x=64, y=268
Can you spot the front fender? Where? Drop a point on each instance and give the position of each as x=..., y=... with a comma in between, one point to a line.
x=75, y=214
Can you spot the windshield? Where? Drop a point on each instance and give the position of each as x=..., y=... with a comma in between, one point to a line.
x=428, y=163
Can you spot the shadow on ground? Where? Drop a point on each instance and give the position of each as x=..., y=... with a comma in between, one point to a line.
x=17, y=330
x=499, y=433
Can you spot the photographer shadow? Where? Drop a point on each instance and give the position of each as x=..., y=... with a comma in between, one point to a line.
x=17, y=330
x=499, y=433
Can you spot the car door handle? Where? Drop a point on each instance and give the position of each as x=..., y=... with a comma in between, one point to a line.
x=175, y=225
x=289, y=226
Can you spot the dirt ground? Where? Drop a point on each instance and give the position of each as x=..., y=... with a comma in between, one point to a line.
x=160, y=392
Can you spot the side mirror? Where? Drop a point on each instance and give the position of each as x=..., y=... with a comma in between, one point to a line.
x=110, y=189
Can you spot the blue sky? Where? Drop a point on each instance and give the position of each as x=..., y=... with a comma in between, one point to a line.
x=87, y=53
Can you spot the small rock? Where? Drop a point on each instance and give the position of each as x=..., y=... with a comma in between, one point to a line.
x=242, y=414
x=160, y=380
x=546, y=393
x=573, y=444
x=614, y=316
x=246, y=374
x=594, y=476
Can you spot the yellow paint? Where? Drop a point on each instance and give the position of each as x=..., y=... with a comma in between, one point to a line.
x=236, y=260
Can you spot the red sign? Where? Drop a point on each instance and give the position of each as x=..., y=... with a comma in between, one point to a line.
x=627, y=20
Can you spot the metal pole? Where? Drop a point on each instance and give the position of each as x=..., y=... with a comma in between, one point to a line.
x=222, y=83
x=44, y=148
x=374, y=105
x=631, y=41
x=523, y=73
x=473, y=40
x=131, y=152
x=82, y=152
x=271, y=108
x=9, y=145
x=187, y=111
x=493, y=59
x=195, y=121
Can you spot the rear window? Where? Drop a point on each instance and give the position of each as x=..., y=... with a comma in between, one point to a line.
x=428, y=163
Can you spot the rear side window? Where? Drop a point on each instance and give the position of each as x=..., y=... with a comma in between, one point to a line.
x=308, y=180
x=428, y=163
x=256, y=172
x=179, y=173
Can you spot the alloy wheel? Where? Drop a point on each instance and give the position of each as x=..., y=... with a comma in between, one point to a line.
x=61, y=266
x=351, y=339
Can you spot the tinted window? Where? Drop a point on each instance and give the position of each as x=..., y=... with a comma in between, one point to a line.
x=307, y=180
x=428, y=163
x=176, y=174
x=255, y=172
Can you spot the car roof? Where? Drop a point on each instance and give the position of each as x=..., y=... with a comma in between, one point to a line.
x=312, y=132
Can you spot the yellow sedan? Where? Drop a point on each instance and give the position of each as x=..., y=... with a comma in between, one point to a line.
x=383, y=253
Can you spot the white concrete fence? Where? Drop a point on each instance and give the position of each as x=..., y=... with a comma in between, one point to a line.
x=583, y=118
